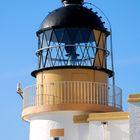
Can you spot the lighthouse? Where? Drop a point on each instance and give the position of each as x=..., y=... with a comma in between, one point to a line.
x=74, y=68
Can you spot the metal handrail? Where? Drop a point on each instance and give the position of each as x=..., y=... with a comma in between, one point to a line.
x=48, y=47
x=72, y=92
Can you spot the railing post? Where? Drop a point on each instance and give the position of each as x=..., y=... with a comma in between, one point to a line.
x=81, y=92
x=78, y=92
x=91, y=92
x=94, y=93
x=114, y=96
x=61, y=92
x=24, y=100
x=84, y=92
x=75, y=93
x=68, y=92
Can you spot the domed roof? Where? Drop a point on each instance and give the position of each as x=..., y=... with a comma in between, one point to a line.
x=72, y=16
x=72, y=1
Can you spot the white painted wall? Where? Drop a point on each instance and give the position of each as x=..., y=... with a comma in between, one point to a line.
x=114, y=130
x=134, y=118
x=40, y=126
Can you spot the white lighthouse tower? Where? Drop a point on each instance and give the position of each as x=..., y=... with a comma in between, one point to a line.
x=72, y=79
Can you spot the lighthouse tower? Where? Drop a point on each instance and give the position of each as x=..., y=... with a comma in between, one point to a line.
x=72, y=78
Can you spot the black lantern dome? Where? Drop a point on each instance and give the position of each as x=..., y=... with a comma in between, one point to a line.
x=72, y=36
x=72, y=16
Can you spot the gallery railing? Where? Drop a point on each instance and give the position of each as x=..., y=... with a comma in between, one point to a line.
x=72, y=92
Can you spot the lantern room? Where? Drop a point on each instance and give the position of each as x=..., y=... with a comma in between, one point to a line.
x=72, y=36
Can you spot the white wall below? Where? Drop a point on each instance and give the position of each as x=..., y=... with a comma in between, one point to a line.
x=41, y=125
x=134, y=117
x=113, y=130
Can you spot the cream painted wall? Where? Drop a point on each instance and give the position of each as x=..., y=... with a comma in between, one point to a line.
x=71, y=75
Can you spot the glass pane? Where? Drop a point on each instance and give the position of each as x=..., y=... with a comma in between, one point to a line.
x=79, y=38
x=40, y=40
x=59, y=34
x=91, y=37
x=85, y=32
x=44, y=43
x=66, y=38
x=54, y=39
x=98, y=37
x=72, y=34
x=48, y=35
x=39, y=43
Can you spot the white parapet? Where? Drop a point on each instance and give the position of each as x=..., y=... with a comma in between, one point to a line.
x=48, y=126
x=134, y=116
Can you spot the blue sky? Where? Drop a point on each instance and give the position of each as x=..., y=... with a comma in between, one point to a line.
x=19, y=21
